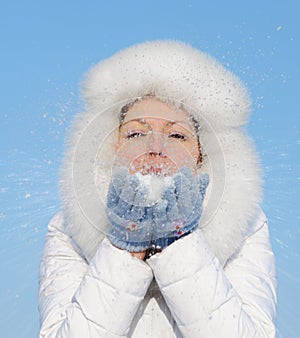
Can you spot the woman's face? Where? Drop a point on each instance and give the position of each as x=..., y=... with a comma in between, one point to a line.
x=157, y=139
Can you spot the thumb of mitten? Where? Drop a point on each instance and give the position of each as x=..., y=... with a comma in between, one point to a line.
x=160, y=210
x=203, y=181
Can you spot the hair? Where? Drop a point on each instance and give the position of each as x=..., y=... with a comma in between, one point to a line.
x=196, y=125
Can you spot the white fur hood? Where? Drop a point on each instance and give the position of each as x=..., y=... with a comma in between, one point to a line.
x=177, y=73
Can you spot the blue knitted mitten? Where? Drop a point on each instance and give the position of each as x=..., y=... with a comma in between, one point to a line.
x=178, y=211
x=129, y=216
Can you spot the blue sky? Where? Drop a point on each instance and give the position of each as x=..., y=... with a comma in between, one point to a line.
x=45, y=49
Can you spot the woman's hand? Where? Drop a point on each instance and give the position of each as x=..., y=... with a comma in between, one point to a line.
x=131, y=222
x=135, y=227
x=180, y=208
x=139, y=255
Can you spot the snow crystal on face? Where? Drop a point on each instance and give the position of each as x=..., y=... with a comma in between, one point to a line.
x=156, y=185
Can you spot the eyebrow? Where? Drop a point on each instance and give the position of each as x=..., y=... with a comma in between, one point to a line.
x=142, y=121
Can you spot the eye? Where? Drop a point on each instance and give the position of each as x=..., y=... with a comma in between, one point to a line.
x=178, y=136
x=135, y=134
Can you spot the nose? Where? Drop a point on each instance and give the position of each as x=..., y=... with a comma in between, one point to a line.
x=156, y=144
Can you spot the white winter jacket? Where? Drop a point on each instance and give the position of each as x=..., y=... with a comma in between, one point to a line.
x=218, y=281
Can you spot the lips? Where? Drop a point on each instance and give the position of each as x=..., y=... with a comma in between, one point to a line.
x=159, y=169
x=159, y=166
x=155, y=170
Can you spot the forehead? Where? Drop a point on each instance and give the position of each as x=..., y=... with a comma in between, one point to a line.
x=156, y=109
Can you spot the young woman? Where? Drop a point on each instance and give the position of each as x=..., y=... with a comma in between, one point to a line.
x=161, y=232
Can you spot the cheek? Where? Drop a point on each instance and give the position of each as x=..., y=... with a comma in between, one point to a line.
x=184, y=154
x=128, y=151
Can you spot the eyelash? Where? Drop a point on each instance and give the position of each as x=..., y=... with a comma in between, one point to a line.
x=178, y=136
x=136, y=134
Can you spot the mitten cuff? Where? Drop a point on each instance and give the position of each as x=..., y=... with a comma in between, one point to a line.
x=161, y=243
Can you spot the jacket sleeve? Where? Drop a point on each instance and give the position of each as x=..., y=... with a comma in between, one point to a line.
x=207, y=300
x=77, y=299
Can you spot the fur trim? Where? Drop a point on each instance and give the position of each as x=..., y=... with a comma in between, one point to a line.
x=182, y=75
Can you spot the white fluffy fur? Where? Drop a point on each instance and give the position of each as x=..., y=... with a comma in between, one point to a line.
x=175, y=72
